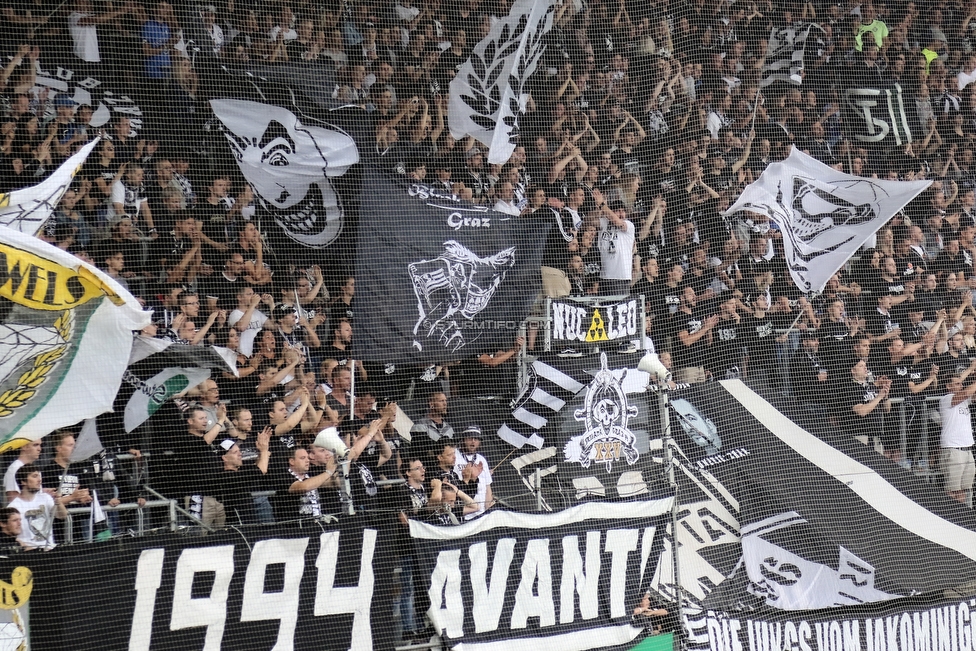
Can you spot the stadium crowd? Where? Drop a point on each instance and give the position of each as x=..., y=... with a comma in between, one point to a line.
x=646, y=120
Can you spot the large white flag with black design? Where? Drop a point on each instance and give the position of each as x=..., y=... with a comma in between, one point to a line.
x=27, y=209
x=787, y=51
x=824, y=215
x=490, y=90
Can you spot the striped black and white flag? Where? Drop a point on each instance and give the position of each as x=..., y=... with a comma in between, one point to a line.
x=787, y=51
x=545, y=390
x=824, y=215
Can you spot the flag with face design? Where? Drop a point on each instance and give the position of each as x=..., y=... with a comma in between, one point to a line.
x=291, y=162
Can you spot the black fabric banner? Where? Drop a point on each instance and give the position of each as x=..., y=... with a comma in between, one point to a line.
x=298, y=588
x=905, y=625
x=876, y=117
x=439, y=279
x=565, y=581
x=773, y=517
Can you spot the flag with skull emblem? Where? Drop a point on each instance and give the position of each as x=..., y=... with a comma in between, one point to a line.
x=824, y=215
x=443, y=279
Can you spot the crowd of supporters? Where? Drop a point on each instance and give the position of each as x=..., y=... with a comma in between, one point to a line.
x=645, y=121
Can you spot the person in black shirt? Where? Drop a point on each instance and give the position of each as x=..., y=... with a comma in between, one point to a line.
x=759, y=337
x=861, y=406
x=234, y=484
x=296, y=492
x=808, y=375
x=11, y=523
x=692, y=339
x=880, y=323
x=729, y=345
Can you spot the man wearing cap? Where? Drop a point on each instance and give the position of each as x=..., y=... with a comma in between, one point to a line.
x=434, y=423
x=473, y=469
x=617, y=240
x=956, y=457
x=293, y=331
x=236, y=481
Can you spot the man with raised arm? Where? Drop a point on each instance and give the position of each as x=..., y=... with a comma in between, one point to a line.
x=956, y=457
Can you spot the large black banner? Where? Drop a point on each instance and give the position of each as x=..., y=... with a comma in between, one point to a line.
x=909, y=624
x=440, y=279
x=312, y=587
x=773, y=519
x=566, y=581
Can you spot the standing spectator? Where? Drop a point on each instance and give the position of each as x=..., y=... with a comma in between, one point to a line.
x=29, y=453
x=71, y=484
x=236, y=481
x=38, y=509
x=617, y=239
x=434, y=423
x=296, y=492
x=82, y=25
x=11, y=527
x=808, y=374
x=473, y=469
x=956, y=441
x=693, y=338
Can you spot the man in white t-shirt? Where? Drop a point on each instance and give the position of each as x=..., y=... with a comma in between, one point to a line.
x=29, y=453
x=471, y=466
x=37, y=508
x=616, y=244
x=247, y=318
x=82, y=24
x=956, y=441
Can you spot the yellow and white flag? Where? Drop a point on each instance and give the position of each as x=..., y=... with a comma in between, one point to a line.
x=65, y=336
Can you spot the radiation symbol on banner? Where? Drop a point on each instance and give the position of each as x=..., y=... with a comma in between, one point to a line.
x=597, y=331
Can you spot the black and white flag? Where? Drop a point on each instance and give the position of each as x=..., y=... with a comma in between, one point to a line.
x=786, y=52
x=824, y=215
x=444, y=279
x=566, y=581
x=490, y=91
x=825, y=521
x=292, y=162
x=876, y=116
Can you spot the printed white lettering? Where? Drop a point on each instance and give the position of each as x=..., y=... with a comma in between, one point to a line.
x=620, y=542
x=209, y=611
x=486, y=606
x=577, y=578
x=149, y=576
x=446, y=604
x=259, y=605
x=356, y=599
x=536, y=571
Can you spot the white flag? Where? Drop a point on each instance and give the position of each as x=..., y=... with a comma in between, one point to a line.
x=824, y=215
x=27, y=209
x=786, y=52
x=490, y=90
x=64, y=338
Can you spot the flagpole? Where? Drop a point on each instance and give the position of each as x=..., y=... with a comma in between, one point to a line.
x=755, y=109
x=813, y=296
